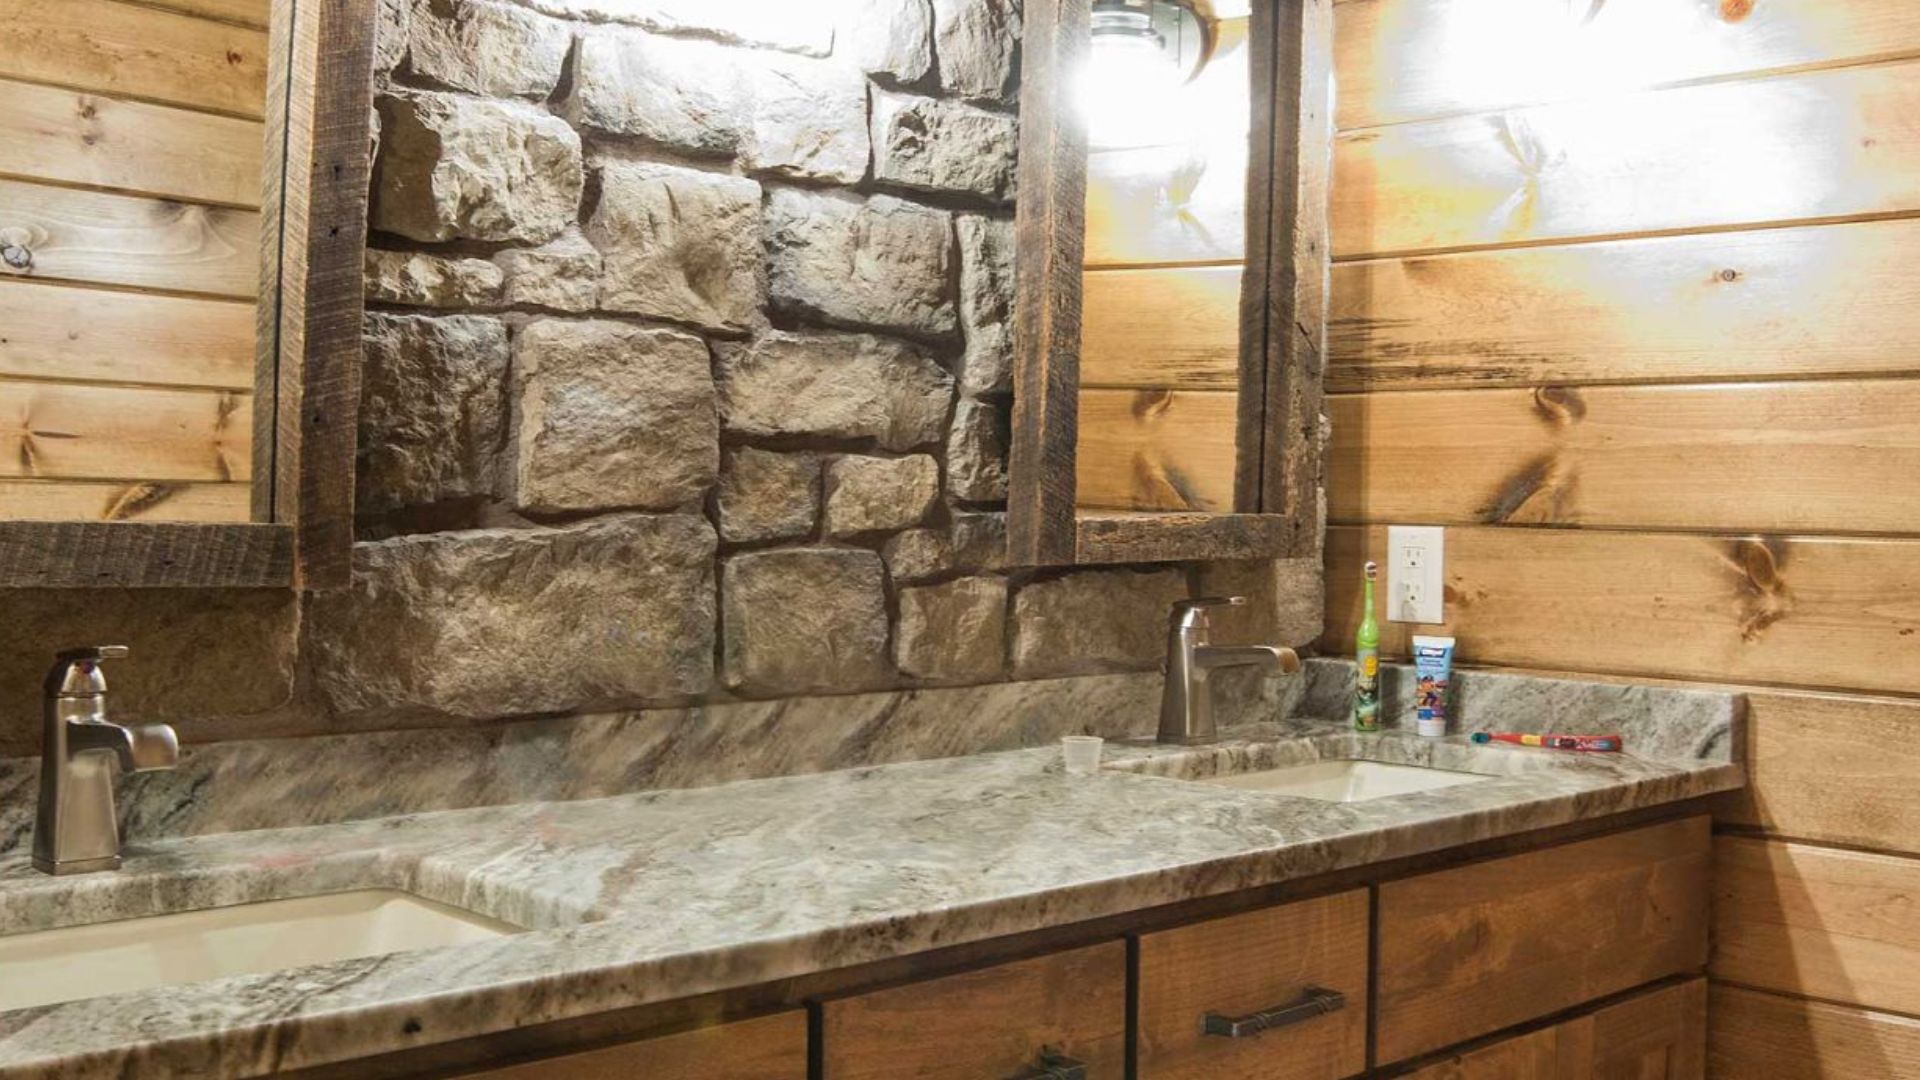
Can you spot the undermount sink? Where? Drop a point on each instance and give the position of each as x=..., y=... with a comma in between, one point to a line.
x=50, y=966
x=1346, y=781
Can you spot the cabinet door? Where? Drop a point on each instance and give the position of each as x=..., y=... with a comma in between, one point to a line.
x=1469, y=951
x=1658, y=1035
x=770, y=1048
x=1295, y=976
x=1000, y=1023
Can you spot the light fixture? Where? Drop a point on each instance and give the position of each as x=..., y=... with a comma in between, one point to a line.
x=1142, y=52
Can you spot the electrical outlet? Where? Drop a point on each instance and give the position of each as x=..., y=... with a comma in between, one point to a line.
x=1413, y=593
x=1416, y=583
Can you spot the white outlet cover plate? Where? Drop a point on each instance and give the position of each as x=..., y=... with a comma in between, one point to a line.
x=1416, y=574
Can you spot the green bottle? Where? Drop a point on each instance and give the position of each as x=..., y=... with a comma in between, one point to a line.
x=1366, y=654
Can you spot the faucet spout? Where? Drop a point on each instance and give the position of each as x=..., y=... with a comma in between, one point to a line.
x=140, y=748
x=1211, y=657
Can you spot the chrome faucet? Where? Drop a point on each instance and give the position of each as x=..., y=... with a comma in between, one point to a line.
x=77, y=830
x=1186, y=707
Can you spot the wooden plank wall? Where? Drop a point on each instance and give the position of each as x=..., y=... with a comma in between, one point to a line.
x=1628, y=304
x=1160, y=322
x=131, y=141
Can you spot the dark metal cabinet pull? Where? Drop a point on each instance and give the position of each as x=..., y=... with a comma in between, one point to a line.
x=1314, y=1001
x=1055, y=1065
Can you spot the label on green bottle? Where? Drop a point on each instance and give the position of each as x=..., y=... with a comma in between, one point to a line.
x=1366, y=692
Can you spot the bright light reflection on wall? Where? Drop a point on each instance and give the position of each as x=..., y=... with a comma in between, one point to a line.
x=1174, y=176
x=1517, y=51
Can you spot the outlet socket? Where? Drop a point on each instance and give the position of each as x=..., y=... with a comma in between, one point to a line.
x=1416, y=581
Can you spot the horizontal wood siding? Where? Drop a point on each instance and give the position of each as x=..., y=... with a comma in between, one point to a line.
x=131, y=182
x=1726, y=154
x=1623, y=296
x=1823, y=922
x=1407, y=59
x=1790, y=302
x=1174, y=327
x=145, y=500
x=1838, y=768
x=1133, y=220
x=77, y=431
x=1156, y=450
x=1808, y=611
x=57, y=332
x=1801, y=457
x=108, y=239
x=81, y=138
x=252, y=13
x=136, y=52
x=1761, y=1036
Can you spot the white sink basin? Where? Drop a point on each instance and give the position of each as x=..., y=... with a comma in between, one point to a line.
x=1346, y=781
x=75, y=962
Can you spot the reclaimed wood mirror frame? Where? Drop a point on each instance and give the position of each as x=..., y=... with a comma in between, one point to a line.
x=1277, y=475
x=307, y=351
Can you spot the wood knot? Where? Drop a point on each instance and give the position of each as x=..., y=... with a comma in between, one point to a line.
x=17, y=256
x=1560, y=406
x=136, y=499
x=1735, y=10
x=1729, y=275
x=1761, y=565
x=1148, y=404
x=1765, y=597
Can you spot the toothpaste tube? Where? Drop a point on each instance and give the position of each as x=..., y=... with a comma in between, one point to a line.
x=1433, y=668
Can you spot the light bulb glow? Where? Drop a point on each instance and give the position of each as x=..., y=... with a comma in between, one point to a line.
x=1128, y=89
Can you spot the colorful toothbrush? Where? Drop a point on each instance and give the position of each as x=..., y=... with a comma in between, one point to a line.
x=1594, y=743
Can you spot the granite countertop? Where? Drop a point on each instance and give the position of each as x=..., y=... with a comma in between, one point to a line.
x=659, y=895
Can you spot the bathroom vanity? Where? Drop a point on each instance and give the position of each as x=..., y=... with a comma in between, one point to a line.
x=1494, y=954
x=1258, y=907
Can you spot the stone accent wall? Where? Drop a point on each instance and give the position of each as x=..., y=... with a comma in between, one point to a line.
x=691, y=339
x=687, y=379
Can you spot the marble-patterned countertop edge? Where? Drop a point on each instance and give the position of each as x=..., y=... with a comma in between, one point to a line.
x=644, y=898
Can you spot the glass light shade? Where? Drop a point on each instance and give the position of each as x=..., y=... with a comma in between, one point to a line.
x=1128, y=90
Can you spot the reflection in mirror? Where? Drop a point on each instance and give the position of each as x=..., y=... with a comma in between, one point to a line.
x=1167, y=100
x=131, y=141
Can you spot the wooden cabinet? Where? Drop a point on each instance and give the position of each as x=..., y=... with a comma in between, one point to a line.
x=769, y=1048
x=1301, y=968
x=1468, y=951
x=1657, y=1035
x=1002, y=1022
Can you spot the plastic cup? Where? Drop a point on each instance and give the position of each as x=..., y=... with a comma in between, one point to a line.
x=1080, y=753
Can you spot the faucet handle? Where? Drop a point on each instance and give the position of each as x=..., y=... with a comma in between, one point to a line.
x=1194, y=612
x=76, y=672
x=92, y=652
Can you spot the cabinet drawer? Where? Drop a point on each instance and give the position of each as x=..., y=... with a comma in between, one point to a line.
x=992, y=1024
x=770, y=1048
x=1242, y=966
x=1657, y=1035
x=1472, y=950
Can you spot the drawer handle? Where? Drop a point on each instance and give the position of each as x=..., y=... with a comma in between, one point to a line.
x=1055, y=1065
x=1314, y=1001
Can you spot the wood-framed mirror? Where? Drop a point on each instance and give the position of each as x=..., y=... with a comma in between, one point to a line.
x=183, y=189
x=1171, y=280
